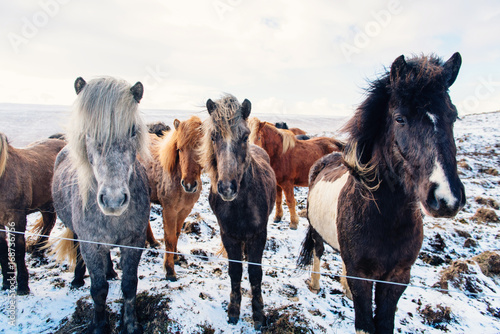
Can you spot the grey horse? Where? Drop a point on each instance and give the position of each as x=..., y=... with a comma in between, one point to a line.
x=101, y=191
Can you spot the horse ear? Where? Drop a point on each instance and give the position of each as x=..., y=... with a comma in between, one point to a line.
x=79, y=84
x=137, y=90
x=397, y=68
x=451, y=68
x=176, y=123
x=246, y=107
x=211, y=106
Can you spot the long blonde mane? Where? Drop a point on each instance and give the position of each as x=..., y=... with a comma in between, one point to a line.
x=187, y=137
x=4, y=145
x=104, y=110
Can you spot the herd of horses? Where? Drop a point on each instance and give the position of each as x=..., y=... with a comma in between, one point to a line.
x=366, y=194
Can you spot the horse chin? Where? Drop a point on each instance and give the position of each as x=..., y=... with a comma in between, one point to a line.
x=113, y=211
x=228, y=198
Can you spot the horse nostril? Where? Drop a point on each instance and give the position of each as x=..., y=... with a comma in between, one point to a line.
x=182, y=183
x=125, y=199
x=432, y=201
x=101, y=199
x=195, y=184
x=233, y=186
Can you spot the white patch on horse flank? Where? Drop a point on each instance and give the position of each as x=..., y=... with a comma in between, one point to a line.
x=323, y=208
x=443, y=190
x=433, y=119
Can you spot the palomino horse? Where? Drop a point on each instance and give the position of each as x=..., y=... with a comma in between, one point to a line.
x=25, y=179
x=291, y=160
x=242, y=194
x=174, y=176
x=101, y=190
x=399, y=158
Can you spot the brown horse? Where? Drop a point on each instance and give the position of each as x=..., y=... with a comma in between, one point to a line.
x=399, y=158
x=284, y=126
x=291, y=160
x=174, y=176
x=25, y=181
x=242, y=195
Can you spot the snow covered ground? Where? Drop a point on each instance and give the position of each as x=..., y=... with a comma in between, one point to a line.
x=197, y=302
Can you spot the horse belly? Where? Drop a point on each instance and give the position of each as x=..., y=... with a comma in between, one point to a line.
x=323, y=208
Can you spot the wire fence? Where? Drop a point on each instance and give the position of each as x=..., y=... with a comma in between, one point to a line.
x=218, y=259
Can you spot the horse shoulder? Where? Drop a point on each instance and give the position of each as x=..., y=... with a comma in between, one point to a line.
x=328, y=178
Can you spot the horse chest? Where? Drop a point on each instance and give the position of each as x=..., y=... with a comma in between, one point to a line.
x=323, y=208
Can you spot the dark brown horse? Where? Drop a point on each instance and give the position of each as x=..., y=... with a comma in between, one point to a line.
x=291, y=160
x=25, y=180
x=174, y=177
x=242, y=195
x=365, y=203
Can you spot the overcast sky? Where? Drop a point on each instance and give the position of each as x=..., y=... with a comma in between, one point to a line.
x=292, y=56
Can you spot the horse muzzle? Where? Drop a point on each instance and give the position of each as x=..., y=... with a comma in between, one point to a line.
x=113, y=201
x=227, y=190
x=190, y=188
x=444, y=204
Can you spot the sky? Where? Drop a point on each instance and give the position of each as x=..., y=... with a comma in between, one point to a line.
x=287, y=57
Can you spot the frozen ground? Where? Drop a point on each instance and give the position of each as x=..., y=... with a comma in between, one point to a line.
x=197, y=302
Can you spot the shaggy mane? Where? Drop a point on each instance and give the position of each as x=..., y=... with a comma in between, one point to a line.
x=187, y=137
x=4, y=145
x=105, y=110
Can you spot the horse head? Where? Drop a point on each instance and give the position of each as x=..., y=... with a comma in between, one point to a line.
x=110, y=133
x=188, y=141
x=227, y=133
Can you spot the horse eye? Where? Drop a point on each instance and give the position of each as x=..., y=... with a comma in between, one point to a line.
x=245, y=139
x=400, y=119
x=133, y=132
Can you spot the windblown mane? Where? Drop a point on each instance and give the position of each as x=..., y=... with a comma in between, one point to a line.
x=105, y=110
x=225, y=120
x=368, y=127
x=4, y=145
x=187, y=136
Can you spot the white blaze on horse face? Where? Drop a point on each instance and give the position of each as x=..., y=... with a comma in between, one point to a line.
x=323, y=208
x=443, y=190
x=433, y=119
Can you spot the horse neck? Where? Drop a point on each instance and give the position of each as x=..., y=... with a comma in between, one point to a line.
x=274, y=142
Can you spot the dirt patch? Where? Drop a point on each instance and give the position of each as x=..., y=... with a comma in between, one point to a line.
x=437, y=316
x=491, y=171
x=485, y=215
x=461, y=276
x=437, y=243
x=489, y=262
x=489, y=202
x=286, y=320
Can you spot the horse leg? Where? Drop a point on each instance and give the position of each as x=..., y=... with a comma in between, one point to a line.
x=7, y=266
x=95, y=258
x=20, y=252
x=290, y=202
x=110, y=272
x=80, y=267
x=150, y=237
x=170, y=231
x=279, y=204
x=343, y=281
x=234, y=252
x=254, y=250
x=49, y=220
x=362, y=298
x=386, y=300
x=129, y=263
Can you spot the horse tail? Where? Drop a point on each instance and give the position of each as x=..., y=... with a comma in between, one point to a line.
x=38, y=227
x=306, y=253
x=65, y=248
x=4, y=144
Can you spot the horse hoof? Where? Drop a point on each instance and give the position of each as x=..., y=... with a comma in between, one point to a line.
x=155, y=244
x=23, y=291
x=171, y=278
x=257, y=325
x=293, y=226
x=276, y=220
x=111, y=275
x=233, y=320
x=77, y=284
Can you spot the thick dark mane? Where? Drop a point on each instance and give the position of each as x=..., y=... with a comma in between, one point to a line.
x=422, y=81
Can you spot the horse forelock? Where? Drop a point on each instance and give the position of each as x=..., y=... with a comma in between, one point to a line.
x=4, y=145
x=105, y=111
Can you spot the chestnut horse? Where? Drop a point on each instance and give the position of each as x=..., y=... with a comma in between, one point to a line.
x=400, y=157
x=25, y=179
x=174, y=177
x=284, y=126
x=291, y=160
x=242, y=194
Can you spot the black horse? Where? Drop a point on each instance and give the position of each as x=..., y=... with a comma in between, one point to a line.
x=242, y=195
x=366, y=202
